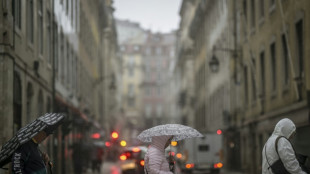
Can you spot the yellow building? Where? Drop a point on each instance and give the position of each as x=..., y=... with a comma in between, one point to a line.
x=131, y=39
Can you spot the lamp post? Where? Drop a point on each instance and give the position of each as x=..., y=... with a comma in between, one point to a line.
x=214, y=64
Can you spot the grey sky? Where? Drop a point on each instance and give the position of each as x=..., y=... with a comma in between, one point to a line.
x=157, y=15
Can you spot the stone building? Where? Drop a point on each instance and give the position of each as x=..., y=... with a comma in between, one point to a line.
x=213, y=51
x=159, y=53
x=52, y=60
x=261, y=49
x=275, y=47
x=184, y=70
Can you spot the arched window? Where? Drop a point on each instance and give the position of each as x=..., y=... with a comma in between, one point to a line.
x=17, y=103
x=29, y=102
x=40, y=104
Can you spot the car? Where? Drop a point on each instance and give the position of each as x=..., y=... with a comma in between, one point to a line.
x=131, y=160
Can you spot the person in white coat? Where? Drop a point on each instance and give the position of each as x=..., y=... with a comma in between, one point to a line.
x=286, y=128
x=155, y=160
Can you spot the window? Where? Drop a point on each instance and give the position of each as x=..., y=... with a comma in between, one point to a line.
x=131, y=70
x=245, y=8
x=204, y=147
x=77, y=15
x=285, y=60
x=67, y=74
x=56, y=47
x=253, y=13
x=158, y=91
x=61, y=58
x=122, y=48
x=29, y=102
x=273, y=65
x=171, y=54
x=158, y=51
x=262, y=71
x=40, y=103
x=67, y=6
x=245, y=71
x=76, y=72
x=262, y=8
x=159, y=110
x=300, y=46
x=148, y=110
x=73, y=71
x=40, y=26
x=17, y=100
x=131, y=101
x=30, y=21
x=253, y=80
x=18, y=14
x=72, y=12
x=49, y=38
x=136, y=47
x=130, y=90
x=48, y=105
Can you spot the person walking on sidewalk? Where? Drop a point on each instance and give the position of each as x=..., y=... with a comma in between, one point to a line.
x=155, y=160
x=279, y=149
x=28, y=159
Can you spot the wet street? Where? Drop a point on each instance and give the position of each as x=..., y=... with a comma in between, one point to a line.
x=113, y=168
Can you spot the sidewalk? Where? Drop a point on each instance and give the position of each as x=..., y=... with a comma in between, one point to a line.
x=109, y=167
x=224, y=171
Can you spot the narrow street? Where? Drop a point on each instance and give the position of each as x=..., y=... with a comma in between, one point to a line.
x=112, y=168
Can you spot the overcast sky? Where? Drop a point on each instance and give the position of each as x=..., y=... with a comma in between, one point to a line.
x=157, y=15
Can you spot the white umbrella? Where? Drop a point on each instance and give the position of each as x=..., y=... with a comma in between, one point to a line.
x=178, y=131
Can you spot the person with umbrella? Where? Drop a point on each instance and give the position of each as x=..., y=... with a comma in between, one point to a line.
x=160, y=138
x=22, y=149
x=29, y=159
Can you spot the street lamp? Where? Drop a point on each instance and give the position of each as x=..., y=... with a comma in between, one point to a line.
x=214, y=64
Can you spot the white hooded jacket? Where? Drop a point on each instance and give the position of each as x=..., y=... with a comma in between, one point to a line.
x=155, y=160
x=286, y=128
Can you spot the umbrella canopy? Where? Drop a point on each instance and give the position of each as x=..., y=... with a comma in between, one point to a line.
x=47, y=122
x=178, y=131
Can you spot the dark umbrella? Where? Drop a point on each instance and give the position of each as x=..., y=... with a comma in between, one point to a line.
x=47, y=122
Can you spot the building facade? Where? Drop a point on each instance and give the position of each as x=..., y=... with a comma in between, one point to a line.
x=159, y=54
x=275, y=47
x=260, y=48
x=184, y=63
x=46, y=66
x=131, y=40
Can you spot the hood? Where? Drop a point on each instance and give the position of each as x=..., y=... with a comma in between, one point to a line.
x=160, y=141
x=284, y=127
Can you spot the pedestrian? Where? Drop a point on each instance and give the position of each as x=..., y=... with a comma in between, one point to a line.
x=97, y=158
x=78, y=157
x=278, y=148
x=28, y=159
x=155, y=160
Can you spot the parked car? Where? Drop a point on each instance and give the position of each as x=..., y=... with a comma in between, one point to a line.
x=131, y=160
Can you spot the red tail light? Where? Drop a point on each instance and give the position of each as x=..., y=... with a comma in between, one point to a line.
x=189, y=166
x=218, y=165
x=142, y=162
